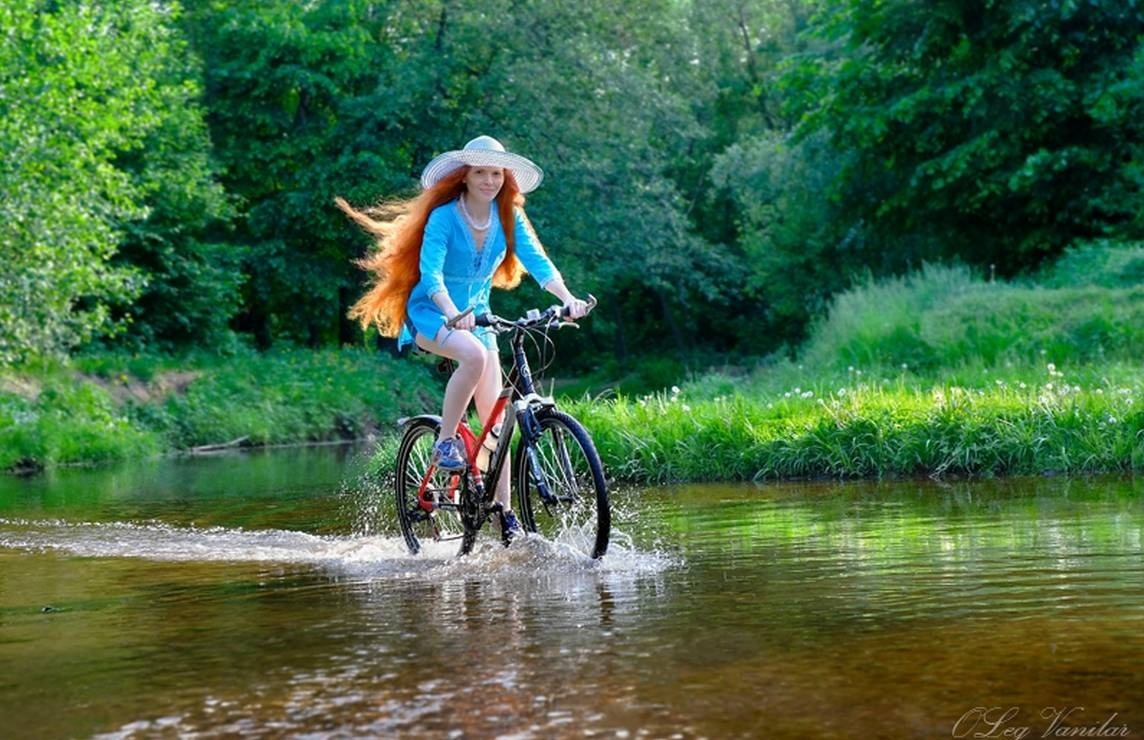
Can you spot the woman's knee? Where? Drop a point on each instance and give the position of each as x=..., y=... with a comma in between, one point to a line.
x=470, y=352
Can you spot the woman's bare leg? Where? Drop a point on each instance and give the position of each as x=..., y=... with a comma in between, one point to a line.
x=488, y=391
x=471, y=357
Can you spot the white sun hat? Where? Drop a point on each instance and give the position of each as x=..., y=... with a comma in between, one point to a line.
x=484, y=151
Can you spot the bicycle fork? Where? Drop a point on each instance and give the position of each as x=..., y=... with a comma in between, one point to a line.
x=531, y=430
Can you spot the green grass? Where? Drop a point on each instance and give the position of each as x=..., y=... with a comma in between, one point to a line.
x=874, y=425
x=939, y=373
x=1088, y=307
x=109, y=407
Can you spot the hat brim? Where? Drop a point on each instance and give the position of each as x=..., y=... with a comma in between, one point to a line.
x=528, y=175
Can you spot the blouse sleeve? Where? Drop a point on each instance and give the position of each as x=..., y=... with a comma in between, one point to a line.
x=433, y=246
x=531, y=253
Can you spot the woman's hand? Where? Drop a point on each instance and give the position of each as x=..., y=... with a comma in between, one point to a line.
x=464, y=320
x=575, y=308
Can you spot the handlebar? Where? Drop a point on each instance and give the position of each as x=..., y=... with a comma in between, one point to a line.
x=554, y=315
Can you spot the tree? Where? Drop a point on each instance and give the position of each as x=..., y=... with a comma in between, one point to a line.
x=68, y=104
x=997, y=132
x=183, y=243
x=353, y=98
x=101, y=139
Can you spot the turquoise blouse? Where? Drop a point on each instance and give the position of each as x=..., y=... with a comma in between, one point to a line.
x=450, y=261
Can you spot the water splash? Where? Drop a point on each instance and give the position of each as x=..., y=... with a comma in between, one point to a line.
x=357, y=554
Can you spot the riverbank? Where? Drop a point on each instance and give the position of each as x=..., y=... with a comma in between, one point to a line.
x=939, y=373
x=108, y=407
x=876, y=424
x=773, y=422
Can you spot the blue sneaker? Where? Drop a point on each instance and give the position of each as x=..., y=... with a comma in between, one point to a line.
x=510, y=527
x=447, y=455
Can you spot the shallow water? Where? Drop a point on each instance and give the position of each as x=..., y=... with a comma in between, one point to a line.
x=266, y=594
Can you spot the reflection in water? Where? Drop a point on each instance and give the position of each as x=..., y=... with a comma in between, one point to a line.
x=243, y=595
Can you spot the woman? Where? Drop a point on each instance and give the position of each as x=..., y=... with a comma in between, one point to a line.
x=441, y=253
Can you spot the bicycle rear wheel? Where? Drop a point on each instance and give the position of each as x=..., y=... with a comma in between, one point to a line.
x=560, y=486
x=442, y=488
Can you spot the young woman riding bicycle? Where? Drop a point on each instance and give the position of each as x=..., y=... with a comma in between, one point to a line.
x=440, y=254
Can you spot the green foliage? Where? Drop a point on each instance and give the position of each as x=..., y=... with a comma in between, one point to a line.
x=105, y=148
x=291, y=396
x=55, y=421
x=109, y=406
x=193, y=276
x=1079, y=325
x=70, y=103
x=1024, y=421
x=879, y=322
x=998, y=133
x=943, y=317
x=1103, y=263
x=717, y=172
x=874, y=429
x=794, y=257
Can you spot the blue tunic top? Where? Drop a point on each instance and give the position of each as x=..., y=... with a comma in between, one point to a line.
x=450, y=261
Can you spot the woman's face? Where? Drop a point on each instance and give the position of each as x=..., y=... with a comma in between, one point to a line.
x=484, y=182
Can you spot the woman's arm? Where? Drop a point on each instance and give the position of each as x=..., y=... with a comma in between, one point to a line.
x=532, y=256
x=576, y=307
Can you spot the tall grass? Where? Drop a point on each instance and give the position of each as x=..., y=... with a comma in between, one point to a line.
x=874, y=428
x=943, y=316
x=57, y=420
x=939, y=373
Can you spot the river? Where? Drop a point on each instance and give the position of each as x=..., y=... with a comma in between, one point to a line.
x=269, y=595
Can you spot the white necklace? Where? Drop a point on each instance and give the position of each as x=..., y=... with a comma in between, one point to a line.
x=468, y=217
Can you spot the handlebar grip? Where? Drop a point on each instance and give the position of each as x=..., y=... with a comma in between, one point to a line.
x=452, y=323
x=591, y=304
x=484, y=319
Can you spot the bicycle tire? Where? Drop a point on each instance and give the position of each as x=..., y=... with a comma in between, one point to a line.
x=575, y=510
x=413, y=456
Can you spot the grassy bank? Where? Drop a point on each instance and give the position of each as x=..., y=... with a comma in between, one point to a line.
x=110, y=407
x=939, y=373
x=876, y=424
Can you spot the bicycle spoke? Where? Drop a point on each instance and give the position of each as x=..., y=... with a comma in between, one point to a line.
x=561, y=489
x=418, y=481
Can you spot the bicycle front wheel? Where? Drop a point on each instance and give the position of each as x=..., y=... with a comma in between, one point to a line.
x=439, y=519
x=560, y=486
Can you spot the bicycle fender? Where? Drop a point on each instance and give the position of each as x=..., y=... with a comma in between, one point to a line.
x=407, y=420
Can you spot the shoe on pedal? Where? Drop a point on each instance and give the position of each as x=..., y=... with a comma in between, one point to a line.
x=447, y=455
x=510, y=527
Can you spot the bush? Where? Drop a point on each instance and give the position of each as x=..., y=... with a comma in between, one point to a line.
x=878, y=322
x=1105, y=263
x=943, y=317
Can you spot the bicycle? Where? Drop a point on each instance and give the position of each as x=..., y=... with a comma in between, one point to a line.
x=560, y=487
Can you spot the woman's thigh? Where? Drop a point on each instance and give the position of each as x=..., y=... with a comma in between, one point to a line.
x=454, y=344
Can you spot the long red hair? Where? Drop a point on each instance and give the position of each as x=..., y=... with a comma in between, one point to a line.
x=400, y=228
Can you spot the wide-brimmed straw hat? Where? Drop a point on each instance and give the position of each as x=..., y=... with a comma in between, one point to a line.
x=484, y=151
